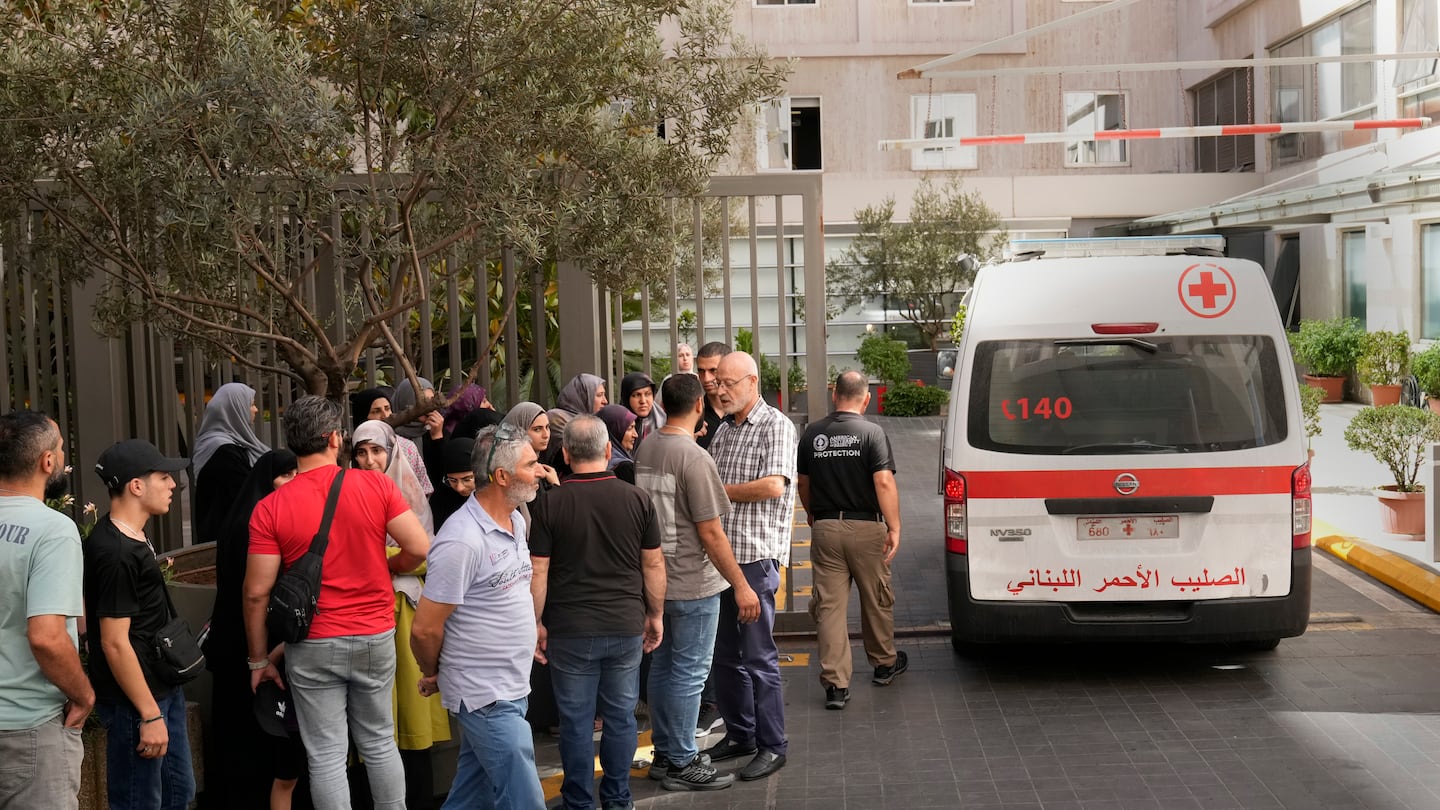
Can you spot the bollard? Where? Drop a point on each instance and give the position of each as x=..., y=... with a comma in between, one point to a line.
x=1432, y=483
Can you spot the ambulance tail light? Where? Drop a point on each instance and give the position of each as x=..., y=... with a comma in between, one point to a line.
x=957, y=538
x=1148, y=328
x=1300, y=507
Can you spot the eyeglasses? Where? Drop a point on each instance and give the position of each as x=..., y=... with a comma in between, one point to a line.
x=467, y=480
x=506, y=432
x=719, y=383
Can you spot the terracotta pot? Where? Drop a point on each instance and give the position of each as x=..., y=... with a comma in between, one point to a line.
x=1434, y=403
x=1334, y=387
x=1384, y=395
x=1401, y=512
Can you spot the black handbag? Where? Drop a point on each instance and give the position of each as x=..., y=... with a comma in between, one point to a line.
x=295, y=597
x=172, y=652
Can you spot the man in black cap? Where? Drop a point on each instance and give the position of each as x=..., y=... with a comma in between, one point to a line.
x=147, y=745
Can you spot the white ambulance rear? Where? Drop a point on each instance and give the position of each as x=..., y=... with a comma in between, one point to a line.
x=1124, y=454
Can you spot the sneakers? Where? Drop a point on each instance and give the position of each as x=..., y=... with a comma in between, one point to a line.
x=884, y=675
x=698, y=775
x=710, y=720
x=662, y=766
x=836, y=697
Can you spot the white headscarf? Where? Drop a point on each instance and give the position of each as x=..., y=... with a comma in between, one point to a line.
x=227, y=420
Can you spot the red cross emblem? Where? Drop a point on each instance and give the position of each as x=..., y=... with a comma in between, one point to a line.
x=1207, y=290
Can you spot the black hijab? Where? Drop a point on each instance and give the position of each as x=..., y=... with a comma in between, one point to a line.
x=226, y=644
x=360, y=403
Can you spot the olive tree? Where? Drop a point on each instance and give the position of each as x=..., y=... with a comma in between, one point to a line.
x=920, y=263
x=202, y=159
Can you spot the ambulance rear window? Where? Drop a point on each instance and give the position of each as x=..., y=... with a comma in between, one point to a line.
x=1116, y=396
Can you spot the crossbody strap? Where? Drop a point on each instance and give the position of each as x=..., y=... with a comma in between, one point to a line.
x=322, y=537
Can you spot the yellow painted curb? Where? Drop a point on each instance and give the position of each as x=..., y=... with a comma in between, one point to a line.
x=1394, y=570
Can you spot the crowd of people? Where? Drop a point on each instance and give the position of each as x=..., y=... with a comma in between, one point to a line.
x=536, y=568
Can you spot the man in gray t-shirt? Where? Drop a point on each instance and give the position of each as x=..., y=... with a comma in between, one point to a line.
x=699, y=563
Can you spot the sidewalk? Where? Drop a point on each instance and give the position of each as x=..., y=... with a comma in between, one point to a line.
x=1344, y=484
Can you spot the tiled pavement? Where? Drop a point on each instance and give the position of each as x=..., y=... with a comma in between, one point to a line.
x=1344, y=717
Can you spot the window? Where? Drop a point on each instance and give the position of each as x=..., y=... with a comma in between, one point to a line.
x=1226, y=99
x=943, y=115
x=787, y=135
x=1430, y=281
x=1352, y=267
x=1419, y=89
x=1330, y=91
x=1094, y=112
x=1182, y=393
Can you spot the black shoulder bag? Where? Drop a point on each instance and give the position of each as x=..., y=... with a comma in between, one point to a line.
x=296, y=593
x=172, y=652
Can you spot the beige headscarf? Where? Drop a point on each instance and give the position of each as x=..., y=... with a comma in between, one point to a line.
x=381, y=434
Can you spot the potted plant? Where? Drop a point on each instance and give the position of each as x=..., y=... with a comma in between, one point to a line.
x=1396, y=435
x=1426, y=368
x=1384, y=362
x=1328, y=350
x=1310, y=398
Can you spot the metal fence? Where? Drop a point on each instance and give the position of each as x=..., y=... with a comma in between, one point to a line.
x=143, y=384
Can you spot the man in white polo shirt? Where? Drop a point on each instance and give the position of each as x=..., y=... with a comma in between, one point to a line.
x=474, y=633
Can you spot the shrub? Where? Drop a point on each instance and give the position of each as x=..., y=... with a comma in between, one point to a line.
x=1385, y=358
x=884, y=359
x=1328, y=348
x=909, y=399
x=1310, y=399
x=1426, y=367
x=1396, y=435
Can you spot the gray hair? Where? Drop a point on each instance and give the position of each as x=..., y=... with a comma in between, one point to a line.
x=307, y=422
x=506, y=457
x=24, y=437
x=586, y=438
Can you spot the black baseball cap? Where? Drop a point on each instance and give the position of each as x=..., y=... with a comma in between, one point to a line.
x=274, y=710
x=134, y=458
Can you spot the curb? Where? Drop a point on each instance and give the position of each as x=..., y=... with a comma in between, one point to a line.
x=1392, y=569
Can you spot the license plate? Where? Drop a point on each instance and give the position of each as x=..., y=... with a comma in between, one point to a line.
x=1130, y=527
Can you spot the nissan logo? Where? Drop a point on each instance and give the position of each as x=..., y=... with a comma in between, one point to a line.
x=1127, y=484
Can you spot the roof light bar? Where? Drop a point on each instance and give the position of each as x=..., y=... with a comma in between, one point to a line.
x=1115, y=246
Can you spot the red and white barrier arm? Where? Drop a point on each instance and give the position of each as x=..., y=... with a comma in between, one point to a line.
x=1218, y=131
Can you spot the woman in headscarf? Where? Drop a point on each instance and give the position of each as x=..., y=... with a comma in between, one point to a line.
x=462, y=402
x=372, y=403
x=405, y=398
x=621, y=424
x=458, y=482
x=258, y=770
x=226, y=447
x=531, y=418
x=420, y=722
x=584, y=394
x=641, y=395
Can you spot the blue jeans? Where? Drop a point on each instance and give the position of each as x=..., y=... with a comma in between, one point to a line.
x=136, y=783
x=347, y=678
x=747, y=665
x=496, y=766
x=587, y=671
x=678, y=668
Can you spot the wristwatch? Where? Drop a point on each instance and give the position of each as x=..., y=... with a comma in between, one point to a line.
x=256, y=666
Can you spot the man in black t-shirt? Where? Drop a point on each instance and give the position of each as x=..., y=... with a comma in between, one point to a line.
x=706, y=362
x=595, y=539
x=147, y=745
x=846, y=477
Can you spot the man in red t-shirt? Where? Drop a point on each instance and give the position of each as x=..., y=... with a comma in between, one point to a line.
x=345, y=668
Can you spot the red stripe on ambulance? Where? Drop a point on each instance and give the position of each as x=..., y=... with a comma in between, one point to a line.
x=1153, y=482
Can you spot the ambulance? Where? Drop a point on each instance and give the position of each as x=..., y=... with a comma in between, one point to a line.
x=1124, y=456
